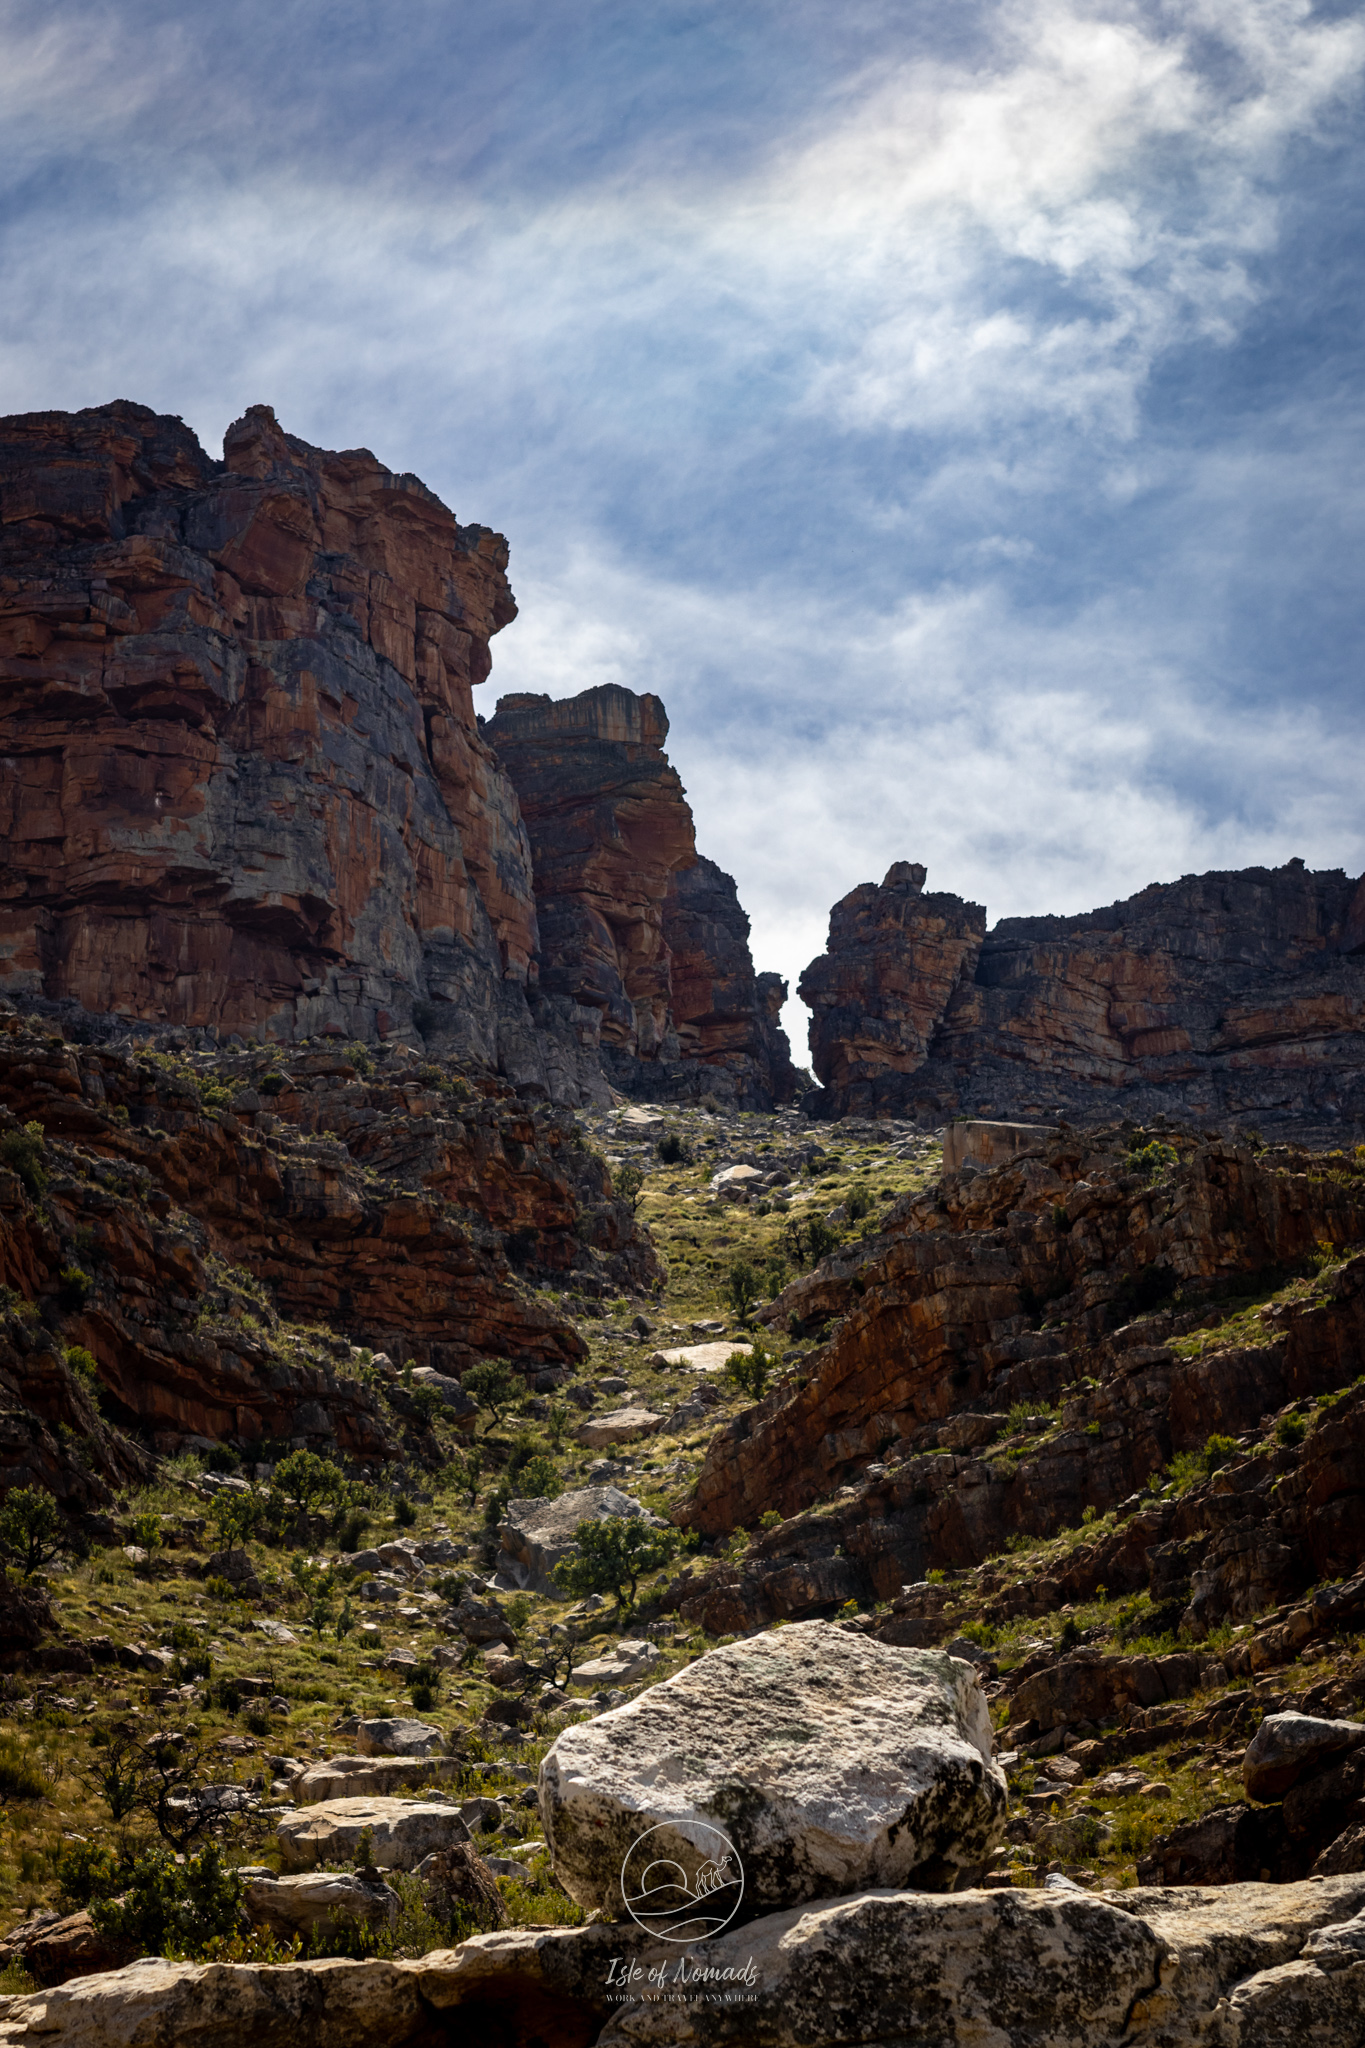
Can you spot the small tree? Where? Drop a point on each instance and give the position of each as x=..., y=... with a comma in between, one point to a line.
x=557, y=1424
x=309, y=1480
x=742, y=1288
x=235, y=1517
x=628, y=1185
x=318, y=1588
x=30, y=1528
x=494, y=1386
x=747, y=1372
x=614, y=1555
x=538, y=1479
x=466, y=1469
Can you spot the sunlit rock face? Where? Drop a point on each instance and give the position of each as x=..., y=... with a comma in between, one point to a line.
x=1238, y=995
x=642, y=939
x=245, y=785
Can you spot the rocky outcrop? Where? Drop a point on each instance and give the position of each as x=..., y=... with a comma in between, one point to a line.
x=827, y=1764
x=248, y=786
x=1014, y=1284
x=162, y=1217
x=644, y=946
x=1227, y=997
x=400, y=1832
x=1266, y=1966
x=537, y=1534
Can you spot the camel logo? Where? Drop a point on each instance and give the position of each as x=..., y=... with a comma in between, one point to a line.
x=682, y=1881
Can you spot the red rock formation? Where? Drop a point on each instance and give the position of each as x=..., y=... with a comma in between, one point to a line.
x=246, y=785
x=943, y=1313
x=643, y=938
x=1220, y=996
x=895, y=959
x=168, y=1237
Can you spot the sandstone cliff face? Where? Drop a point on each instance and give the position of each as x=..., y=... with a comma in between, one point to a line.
x=246, y=785
x=643, y=939
x=1223, y=996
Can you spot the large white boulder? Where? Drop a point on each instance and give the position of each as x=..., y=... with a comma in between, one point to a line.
x=401, y=1832
x=831, y=1762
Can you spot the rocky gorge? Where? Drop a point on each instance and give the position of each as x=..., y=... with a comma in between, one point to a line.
x=468, y=1407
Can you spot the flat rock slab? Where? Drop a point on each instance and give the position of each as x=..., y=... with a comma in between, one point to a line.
x=319, y=1898
x=356, y=1777
x=830, y=1761
x=621, y=1666
x=704, y=1357
x=1268, y=1966
x=398, y=1737
x=619, y=1426
x=1287, y=1746
x=402, y=1831
x=985, y=1144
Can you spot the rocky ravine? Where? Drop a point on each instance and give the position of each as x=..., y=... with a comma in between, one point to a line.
x=1227, y=997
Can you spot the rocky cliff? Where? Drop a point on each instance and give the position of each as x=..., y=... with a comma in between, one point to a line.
x=1227, y=997
x=640, y=936
x=247, y=786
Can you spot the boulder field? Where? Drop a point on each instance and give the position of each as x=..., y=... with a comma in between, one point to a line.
x=786, y=1789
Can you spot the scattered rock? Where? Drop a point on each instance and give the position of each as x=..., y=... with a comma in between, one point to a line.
x=621, y=1666
x=536, y=1534
x=620, y=1426
x=347, y=1777
x=1287, y=1746
x=459, y=1878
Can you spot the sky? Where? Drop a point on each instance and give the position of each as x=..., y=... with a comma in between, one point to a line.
x=951, y=408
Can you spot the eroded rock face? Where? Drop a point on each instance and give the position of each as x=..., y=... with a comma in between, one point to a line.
x=398, y=1207
x=831, y=1763
x=1267, y=1966
x=1228, y=995
x=251, y=790
x=942, y=1312
x=644, y=945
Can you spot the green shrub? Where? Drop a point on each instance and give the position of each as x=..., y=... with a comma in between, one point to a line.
x=748, y=1371
x=20, y=1775
x=83, y=1365
x=172, y=1909
x=859, y=1205
x=73, y=1285
x=310, y=1480
x=741, y=1286
x=538, y=1479
x=1291, y=1430
x=404, y=1513
x=22, y=1152
x=615, y=1554
x=674, y=1149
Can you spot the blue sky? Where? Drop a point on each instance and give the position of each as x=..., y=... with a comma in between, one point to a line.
x=952, y=408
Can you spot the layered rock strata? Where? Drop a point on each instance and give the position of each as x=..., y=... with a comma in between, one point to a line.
x=1014, y=1285
x=191, y=1224
x=247, y=784
x=1225, y=997
x=1259, y=1964
x=643, y=939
